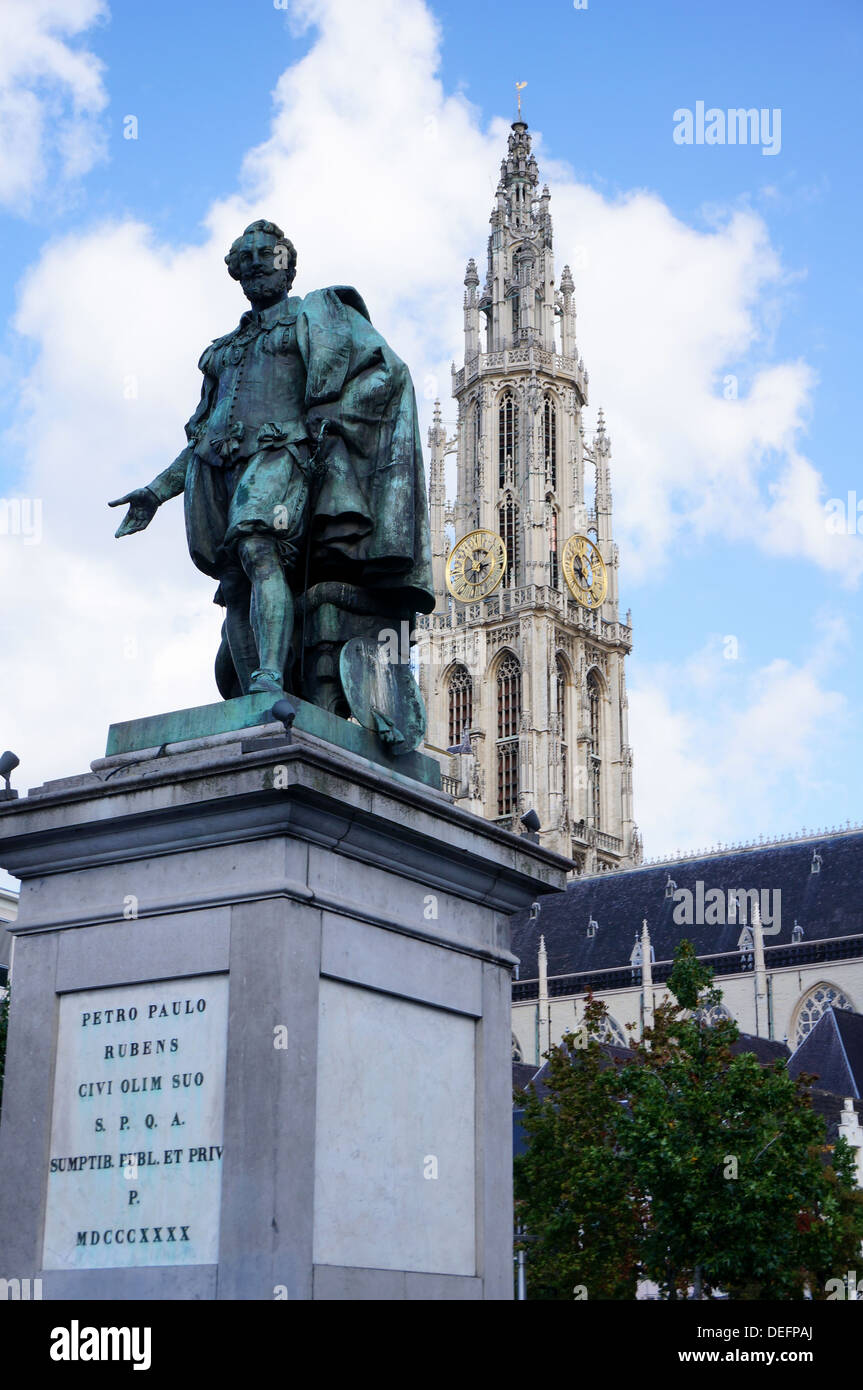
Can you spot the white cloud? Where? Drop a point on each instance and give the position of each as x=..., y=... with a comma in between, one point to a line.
x=51, y=94
x=675, y=326
x=383, y=181
x=719, y=749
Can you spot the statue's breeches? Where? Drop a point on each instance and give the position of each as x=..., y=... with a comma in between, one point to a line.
x=265, y=494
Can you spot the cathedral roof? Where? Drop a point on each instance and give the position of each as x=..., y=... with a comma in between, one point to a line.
x=830, y=1106
x=833, y=1051
x=522, y=1073
x=823, y=905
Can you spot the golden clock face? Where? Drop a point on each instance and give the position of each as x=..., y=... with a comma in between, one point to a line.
x=475, y=566
x=584, y=571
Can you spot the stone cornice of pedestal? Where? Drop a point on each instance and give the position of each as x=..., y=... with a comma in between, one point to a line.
x=208, y=725
x=225, y=794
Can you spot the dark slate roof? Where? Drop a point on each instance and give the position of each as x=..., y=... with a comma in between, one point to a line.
x=833, y=1051
x=522, y=1073
x=766, y=1050
x=827, y=905
x=850, y=1027
x=830, y=1108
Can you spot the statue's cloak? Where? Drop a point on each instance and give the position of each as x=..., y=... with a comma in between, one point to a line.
x=368, y=518
x=371, y=510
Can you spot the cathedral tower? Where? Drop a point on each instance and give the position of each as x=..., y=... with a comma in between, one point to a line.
x=522, y=662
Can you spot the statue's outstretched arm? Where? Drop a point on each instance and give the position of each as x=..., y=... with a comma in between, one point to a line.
x=172, y=480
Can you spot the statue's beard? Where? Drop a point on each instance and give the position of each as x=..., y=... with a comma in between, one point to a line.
x=267, y=287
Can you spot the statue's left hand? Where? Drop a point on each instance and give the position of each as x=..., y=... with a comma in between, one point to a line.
x=143, y=505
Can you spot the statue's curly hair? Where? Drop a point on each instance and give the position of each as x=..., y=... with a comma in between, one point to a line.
x=270, y=229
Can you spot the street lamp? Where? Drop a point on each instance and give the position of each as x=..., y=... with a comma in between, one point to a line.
x=8, y=764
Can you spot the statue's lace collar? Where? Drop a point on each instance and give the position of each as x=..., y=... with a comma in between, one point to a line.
x=283, y=311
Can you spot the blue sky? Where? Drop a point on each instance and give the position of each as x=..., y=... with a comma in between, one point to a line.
x=373, y=134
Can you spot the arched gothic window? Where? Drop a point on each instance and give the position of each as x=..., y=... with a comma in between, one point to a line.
x=508, y=528
x=509, y=696
x=508, y=720
x=471, y=436
x=610, y=1031
x=594, y=750
x=553, y=567
x=549, y=439
x=560, y=678
x=817, y=1002
x=507, y=438
x=636, y=960
x=562, y=686
x=711, y=1015
x=460, y=704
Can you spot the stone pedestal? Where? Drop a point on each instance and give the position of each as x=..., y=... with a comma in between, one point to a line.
x=259, y=1042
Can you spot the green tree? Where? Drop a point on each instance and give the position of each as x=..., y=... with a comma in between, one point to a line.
x=730, y=1155
x=574, y=1197
x=723, y=1161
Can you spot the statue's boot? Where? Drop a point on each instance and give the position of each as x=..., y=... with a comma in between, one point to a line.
x=266, y=682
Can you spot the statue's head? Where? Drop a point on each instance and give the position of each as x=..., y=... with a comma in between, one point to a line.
x=264, y=261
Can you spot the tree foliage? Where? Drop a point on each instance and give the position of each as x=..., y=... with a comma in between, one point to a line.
x=573, y=1191
x=686, y=1164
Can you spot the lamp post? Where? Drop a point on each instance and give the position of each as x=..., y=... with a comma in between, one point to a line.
x=8, y=764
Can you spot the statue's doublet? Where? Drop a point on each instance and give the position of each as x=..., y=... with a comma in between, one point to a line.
x=258, y=396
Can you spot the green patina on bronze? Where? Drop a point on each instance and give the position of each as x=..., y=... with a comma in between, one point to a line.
x=249, y=711
x=304, y=494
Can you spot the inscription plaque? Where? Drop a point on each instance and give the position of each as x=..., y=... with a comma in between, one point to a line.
x=135, y=1169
